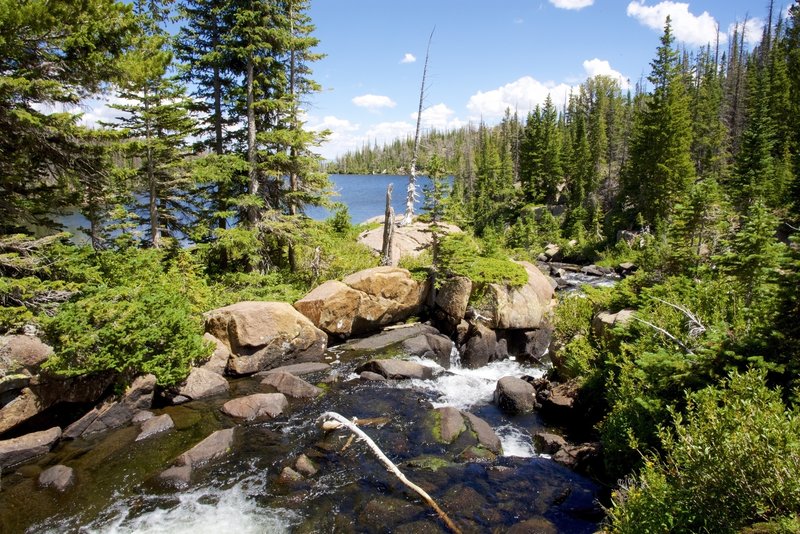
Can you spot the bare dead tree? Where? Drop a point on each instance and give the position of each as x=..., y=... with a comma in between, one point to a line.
x=411, y=196
x=388, y=229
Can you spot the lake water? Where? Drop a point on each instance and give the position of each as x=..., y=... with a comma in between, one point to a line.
x=365, y=195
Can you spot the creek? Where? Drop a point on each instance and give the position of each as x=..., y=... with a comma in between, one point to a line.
x=118, y=489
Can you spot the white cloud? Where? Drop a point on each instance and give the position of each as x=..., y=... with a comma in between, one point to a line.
x=697, y=30
x=753, y=30
x=596, y=67
x=374, y=102
x=523, y=95
x=572, y=4
x=342, y=136
x=439, y=117
x=408, y=58
x=385, y=132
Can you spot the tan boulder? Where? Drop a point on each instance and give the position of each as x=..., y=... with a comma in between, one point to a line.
x=256, y=406
x=364, y=301
x=603, y=322
x=409, y=240
x=219, y=358
x=518, y=308
x=262, y=335
x=332, y=307
x=22, y=351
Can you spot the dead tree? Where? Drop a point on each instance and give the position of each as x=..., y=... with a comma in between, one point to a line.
x=388, y=229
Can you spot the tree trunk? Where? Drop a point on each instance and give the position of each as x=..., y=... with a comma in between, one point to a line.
x=388, y=229
x=252, y=211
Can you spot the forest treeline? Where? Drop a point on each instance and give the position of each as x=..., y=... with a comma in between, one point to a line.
x=195, y=193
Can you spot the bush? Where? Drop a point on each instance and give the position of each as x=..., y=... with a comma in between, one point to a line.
x=734, y=460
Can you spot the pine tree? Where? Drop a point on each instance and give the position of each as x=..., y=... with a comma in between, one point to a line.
x=157, y=124
x=52, y=53
x=661, y=170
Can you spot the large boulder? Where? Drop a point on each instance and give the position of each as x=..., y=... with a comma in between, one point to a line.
x=218, y=361
x=22, y=352
x=451, y=427
x=435, y=347
x=256, y=406
x=389, y=337
x=409, y=240
x=453, y=297
x=262, y=335
x=514, y=395
x=397, y=369
x=480, y=348
x=18, y=450
x=364, y=301
x=523, y=307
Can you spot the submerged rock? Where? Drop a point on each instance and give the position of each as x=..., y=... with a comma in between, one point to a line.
x=389, y=337
x=298, y=369
x=216, y=445
x=59, y=477
x=291, y=386
x=397, y=369
x=18, y=450
x=262, y=335
x=155, y=425
x=256, y=405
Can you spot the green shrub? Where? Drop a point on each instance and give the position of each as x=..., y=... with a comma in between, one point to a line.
x=461, y=254
x=732, y=461
x=129, y=329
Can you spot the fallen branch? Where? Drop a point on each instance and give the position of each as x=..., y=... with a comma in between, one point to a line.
x=344, y=422
x=673, y=338
x=695, y=326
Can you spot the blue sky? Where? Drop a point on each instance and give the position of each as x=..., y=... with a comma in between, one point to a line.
x=486, y=56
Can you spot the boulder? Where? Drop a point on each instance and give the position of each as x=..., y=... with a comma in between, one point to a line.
x=409, y=240
x=519, y=308
x=155, y=425
x=19, y=352
x=514, y=395
x=256, y=405
x=558, y=402
x=142, y=416
x=291, y=386
x=480, y=348
x=59, y=477
x=202, y=383
x=298, y=369
x=582, y=457
x=453, y=297
x=553, y=252
x=44, y=391
x=603, y=322
x=548, y=443
x=389, y=337
x=485, y=433
x=14, y=382
x=397, y=369
x=218, y=361
x=115, y=413
x=451, y=423
x=364, y=301
x=18, y=450
x=435, y=347
x=216, y=445
x=372, y=377
x=289, y=476
x=262, y=335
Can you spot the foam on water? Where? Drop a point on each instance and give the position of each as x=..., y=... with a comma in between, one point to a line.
x=466, y=388
x=515, y=441
x=200, y=511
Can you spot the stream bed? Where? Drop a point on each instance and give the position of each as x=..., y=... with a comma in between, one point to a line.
x=118, y=489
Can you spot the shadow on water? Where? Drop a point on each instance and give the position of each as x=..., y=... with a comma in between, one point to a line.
x=118, y=489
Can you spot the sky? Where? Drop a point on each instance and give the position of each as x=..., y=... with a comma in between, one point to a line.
x=486, y=56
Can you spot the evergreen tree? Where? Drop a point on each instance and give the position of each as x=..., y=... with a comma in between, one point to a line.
x=52, y=53
x=660, y=170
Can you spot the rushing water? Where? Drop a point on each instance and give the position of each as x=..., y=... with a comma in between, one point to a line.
x=118, y=489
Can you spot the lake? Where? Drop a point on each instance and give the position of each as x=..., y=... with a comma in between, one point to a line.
x=365, y=195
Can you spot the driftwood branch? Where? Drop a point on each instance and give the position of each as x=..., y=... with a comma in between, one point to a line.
x=328, y=418
x=673, y=338
x=695, y=326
